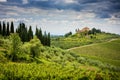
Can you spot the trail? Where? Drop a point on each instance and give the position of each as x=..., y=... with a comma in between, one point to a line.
x=89, y=45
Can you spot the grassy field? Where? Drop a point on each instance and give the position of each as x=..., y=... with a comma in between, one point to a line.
x=107, y=52
x=76, y=40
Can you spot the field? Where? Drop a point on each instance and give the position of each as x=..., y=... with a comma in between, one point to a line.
x=76, y=40
x=107, y=52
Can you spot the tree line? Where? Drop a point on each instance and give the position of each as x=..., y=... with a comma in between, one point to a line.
x=25, y=34
x=6, y=29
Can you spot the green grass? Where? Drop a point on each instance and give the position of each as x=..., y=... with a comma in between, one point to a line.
x=78, y=40
x=108, y=52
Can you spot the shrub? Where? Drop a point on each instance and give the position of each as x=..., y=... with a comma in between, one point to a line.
x=15, y=46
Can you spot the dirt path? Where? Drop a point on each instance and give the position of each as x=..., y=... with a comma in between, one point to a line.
x=89, y=45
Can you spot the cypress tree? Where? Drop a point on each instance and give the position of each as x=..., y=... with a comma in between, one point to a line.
x=30, y=34
x=22, y=31
x=8, y=33
x=45, y=39
x=36, y=32
x=12, y=27
x=4, y=29
x=48, y=39
x=0, y=28
x=40, y=35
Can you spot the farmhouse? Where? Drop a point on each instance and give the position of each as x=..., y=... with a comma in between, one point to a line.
x=85, y=29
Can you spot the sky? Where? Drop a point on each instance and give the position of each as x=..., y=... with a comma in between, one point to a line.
x=61, y=16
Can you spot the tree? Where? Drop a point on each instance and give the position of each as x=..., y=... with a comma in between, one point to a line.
x=22, y=31
x=36, y=32
x=4, y=29
x=8, y=33
x=0, y=28
x=48, y=39
x=15, y=46
x=68, y=34
x=12, y=27
x=40, y=35
x=45, y=39
x=30, y=34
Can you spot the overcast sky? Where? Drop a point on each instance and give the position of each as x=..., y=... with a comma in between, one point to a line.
x=62, y=16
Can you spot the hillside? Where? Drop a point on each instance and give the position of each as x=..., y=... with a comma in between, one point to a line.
x=107, y=52
x=77, y=40
x=33, y=61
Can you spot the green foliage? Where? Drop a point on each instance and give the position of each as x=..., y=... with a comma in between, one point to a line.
x=30, y=34
x=104, y=52
x=15, y=46
x=42, y=62
x=4, y=29
x=44, y=38
x=3, y=59
x=0, y=28
x=8, y=31
x=32, y=71
x=22, y=31
x=79, y=40
x=35, y=47
x=68, y=34
x=12, y=27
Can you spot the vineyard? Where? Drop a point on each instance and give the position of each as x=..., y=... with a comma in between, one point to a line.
x=33, y=61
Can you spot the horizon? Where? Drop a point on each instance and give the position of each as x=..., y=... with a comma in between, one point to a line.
x=61, y=16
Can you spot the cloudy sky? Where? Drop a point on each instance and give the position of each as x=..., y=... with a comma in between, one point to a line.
x=61, y=16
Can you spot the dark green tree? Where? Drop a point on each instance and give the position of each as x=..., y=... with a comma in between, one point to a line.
x=36, y=32
x=4, y=29
x=0, y=28
x=45, y=39
x=22, y=31
x=12, y=27
x=68, y=34
x=30, y=33
x=40, y=36
x=48, y=43
x=8, y=33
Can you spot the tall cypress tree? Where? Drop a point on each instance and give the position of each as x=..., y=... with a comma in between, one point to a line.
x=12, y=27
x=48, y=43
x=45, y=39
x=40, y=35
x=0, y=28
x=8, y=33
x=30, y=33
x=4, y=29
x=36, y=32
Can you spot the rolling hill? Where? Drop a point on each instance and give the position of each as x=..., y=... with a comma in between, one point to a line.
x=108, y=52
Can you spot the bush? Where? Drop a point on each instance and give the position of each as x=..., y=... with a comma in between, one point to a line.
x=15, y=46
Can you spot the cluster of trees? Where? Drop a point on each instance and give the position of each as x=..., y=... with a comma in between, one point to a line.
x=68, y=34
x=6, y=28
x=94, y=31
x=24, y=33
x=44, y=38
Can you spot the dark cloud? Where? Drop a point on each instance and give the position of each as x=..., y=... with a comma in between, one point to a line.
x=106, y=10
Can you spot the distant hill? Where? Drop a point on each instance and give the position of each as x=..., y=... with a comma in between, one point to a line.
x=82, y=37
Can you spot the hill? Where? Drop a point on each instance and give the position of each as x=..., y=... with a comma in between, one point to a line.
x=32, y=60
x=77, y=39
x=107, y=52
